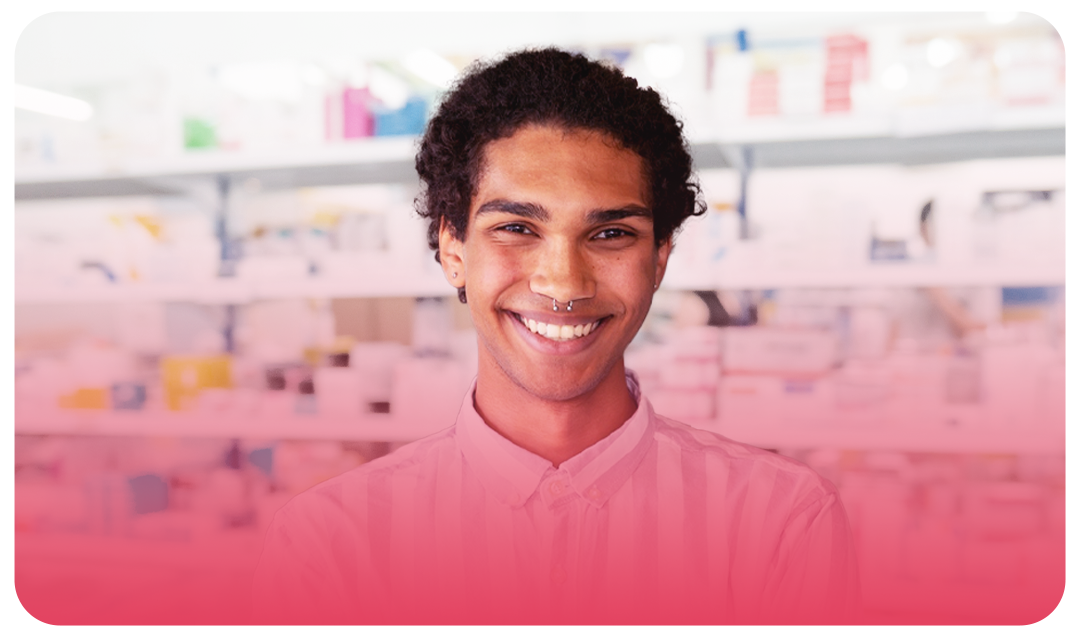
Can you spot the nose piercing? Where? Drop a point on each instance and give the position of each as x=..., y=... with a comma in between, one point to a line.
x=555, y=305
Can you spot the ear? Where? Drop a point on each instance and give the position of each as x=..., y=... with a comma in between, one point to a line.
x=451, y=256
x=662, y=253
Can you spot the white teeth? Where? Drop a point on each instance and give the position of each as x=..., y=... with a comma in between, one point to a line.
x=559, y=332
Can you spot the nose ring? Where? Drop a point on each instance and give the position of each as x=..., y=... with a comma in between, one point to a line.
x=555, y=305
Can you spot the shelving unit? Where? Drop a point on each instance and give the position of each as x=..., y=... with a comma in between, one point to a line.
x=233, y=291
x=889, y=275
x=854, y=432
x=236, y=291
x=372, y=427
x=368, y=161
x=390, y=160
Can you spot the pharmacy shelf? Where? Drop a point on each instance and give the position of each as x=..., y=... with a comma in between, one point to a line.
x=369, y=161
x=237, y=291
x=867, y=435
x=914, y=150
x=961, y=432
x=372, y=427
x=887, y=275
x=390, y=160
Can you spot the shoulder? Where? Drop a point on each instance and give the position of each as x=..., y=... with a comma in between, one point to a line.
x=742, y=464
x=351, y=490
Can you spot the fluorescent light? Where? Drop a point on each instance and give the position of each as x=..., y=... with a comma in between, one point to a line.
x=432, y=67
x=664, y=60
x=50, y=103
x=895, y=77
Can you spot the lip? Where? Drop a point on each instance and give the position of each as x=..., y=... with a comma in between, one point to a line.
x=545, y=345
x=549, y=317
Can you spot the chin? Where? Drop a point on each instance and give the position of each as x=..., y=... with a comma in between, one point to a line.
x=557, y=387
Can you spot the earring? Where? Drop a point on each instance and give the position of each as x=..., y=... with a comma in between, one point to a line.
x=454, y=275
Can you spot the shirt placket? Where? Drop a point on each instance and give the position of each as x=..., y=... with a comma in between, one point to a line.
x=559, y=497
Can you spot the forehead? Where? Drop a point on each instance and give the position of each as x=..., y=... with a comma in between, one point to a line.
x=561, y=163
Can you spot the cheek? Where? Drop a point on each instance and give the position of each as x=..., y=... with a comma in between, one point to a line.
x=630, y=276
x=491, y=270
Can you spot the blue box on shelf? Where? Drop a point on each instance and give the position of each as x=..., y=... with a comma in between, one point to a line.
x=408, y=120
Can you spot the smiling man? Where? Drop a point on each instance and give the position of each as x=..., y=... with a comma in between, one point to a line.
x=554, y=186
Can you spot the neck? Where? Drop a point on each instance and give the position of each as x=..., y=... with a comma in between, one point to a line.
x=556, y=430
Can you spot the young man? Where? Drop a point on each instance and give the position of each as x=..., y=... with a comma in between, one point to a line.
x=554, y=186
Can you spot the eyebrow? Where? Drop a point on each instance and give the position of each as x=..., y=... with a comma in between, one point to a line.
x=523, y=209
x=536, y=212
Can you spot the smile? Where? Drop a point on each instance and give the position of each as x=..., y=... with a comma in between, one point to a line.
x=558, y=332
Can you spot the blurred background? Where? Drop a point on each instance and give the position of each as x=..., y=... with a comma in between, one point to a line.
x=223, y=295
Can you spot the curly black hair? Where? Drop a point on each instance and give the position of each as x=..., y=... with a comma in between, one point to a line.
x=494, y=100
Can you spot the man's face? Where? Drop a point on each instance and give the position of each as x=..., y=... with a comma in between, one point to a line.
x=558, y=215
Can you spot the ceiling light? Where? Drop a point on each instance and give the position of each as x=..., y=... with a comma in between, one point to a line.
x=431, y=67
x=49, y=103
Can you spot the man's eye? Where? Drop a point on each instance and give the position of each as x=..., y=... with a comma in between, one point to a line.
x=515, y=228
x=611, y=234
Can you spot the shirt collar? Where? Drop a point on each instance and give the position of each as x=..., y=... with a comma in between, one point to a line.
x=512, y=474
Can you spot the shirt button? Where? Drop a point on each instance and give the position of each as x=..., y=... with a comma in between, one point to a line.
x=594, y=494
x=557, y=487
x=558, y=575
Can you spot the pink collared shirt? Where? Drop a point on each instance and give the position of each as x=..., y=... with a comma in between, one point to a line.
x=656, y=523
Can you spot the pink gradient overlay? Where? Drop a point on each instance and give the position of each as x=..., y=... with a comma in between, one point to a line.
x=168, y=529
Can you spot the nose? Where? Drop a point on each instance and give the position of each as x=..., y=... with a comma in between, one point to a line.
x=562, y=272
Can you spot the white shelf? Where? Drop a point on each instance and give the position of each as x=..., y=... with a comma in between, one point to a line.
x=237, y=291
x=748, y=274
x=373, y=427
x=887, y=275
x=846, y=432
x=965, y=439
x=902, y=123
x=359, y=154
x=815, y=142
